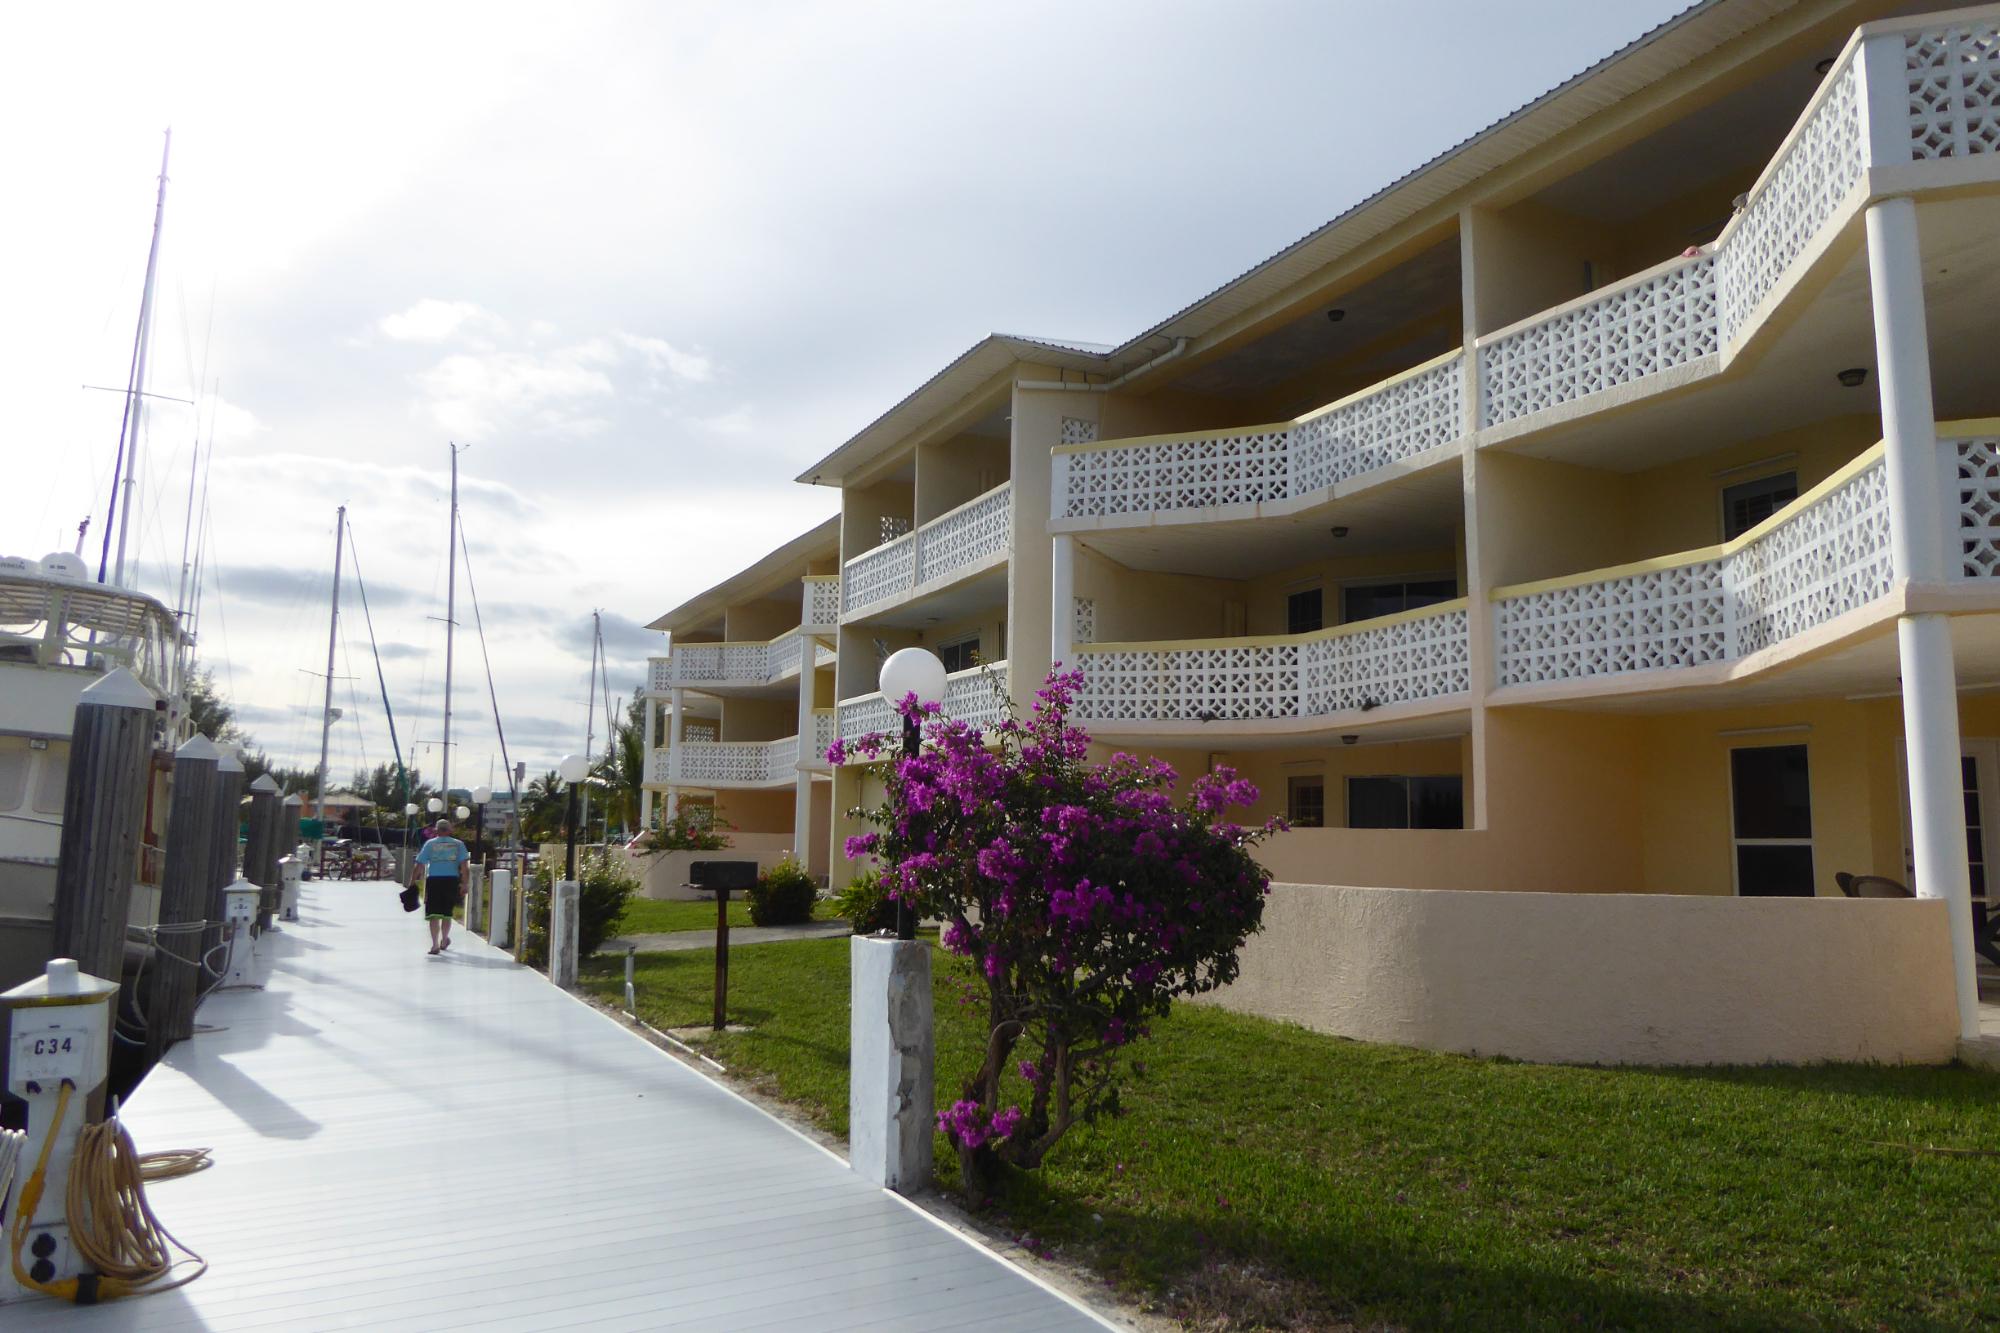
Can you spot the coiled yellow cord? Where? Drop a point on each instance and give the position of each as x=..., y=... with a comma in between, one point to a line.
x=111, y=1226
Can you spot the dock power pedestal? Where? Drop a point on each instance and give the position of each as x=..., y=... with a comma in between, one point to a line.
x=58, y=1035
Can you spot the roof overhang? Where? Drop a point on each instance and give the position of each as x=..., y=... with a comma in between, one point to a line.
x=769, y=574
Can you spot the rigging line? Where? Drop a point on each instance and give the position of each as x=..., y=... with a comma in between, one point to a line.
x=499, y=728
x=201, y=532
x=221, y=620
x=194, y=463
x=354, y=558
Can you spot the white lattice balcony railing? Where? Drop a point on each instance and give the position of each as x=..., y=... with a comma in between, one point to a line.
x=1417, y=411
x=825, y=727
x=1903, y=93
x=978, y=695
x=728, y=763
x=976, y=531
x=1413, y=657
x=1822, y=556
x=822, y=601
x=745, y=663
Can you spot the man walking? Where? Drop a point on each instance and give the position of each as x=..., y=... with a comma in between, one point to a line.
x=443, y=858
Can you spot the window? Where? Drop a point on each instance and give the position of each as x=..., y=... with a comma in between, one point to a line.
x=15, y=760
x=1771, y=819
x=1305, y=802
x=1749, y=503
x=959, y=654
x=52, y=781
x=1303, y=612
x=1406, y=802
x=1365, y=601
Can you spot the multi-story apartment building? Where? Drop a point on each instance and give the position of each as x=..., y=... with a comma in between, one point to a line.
x=1610, y=505
x=739, y=712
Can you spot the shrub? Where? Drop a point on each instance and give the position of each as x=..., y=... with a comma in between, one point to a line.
x=1085, y=897
x=783, y=895
x=865, y=905
x=694, y=828
x=607, y=889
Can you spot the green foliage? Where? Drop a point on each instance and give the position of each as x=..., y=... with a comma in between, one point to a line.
x=783, y=895
x=543, y=803
x=607, y=889
x=865, y=904
x=694, y=828
x=1265, y=1176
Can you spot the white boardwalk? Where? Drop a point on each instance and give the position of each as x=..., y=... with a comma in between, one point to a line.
x=408, y=1142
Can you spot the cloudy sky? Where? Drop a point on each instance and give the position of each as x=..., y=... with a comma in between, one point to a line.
x=646, y=260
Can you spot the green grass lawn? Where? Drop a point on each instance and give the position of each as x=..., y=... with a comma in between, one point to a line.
x=1267, y=1176
x=652, y=916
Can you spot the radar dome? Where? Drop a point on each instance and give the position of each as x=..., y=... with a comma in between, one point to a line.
x=64, y=565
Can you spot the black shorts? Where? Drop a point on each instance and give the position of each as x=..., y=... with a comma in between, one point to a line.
x=440, y=895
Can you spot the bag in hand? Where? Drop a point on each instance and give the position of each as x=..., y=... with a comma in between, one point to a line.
x=411, y=897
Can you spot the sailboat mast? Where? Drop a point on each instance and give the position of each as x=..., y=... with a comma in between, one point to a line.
x=128, y=429
x=590, y=710
x=450, y=623
x=332, y=637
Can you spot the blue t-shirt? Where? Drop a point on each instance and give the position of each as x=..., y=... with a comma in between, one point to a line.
x=442, y=856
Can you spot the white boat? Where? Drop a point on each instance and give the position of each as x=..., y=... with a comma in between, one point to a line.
x=59, y=632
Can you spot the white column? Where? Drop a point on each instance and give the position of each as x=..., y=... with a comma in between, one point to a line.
x=1917, y=546
x=1062, y=600
x=646, y=798
x=802, y=783
x=678, y=702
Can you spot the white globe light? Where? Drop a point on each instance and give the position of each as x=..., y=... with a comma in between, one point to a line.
x=573, y=768
x=462, y=813
x=481, y=795
x=410, y=809
x=913, y=671
x=434, y=804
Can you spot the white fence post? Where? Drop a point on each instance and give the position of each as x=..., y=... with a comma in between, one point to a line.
x=563, y=923
x=503, y=907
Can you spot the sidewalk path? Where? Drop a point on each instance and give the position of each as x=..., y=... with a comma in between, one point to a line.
x=409, y=1142
x=675, y=941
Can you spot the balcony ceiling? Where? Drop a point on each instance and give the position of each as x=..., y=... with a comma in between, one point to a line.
x=1417, y=512
x=1794, y=381
x=1424, y=285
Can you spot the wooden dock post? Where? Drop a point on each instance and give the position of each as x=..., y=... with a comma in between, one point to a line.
x=260, y=861
x=223, y=851
x=104, y=814
x=184, y=889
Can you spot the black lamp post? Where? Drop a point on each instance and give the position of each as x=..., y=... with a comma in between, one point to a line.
x=573, y=769
x=911, y=671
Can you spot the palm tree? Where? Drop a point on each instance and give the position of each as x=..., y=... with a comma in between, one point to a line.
x=622, y=770
x=542, y=808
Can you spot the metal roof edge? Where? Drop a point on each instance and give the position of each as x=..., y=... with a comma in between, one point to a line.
x=821, y=539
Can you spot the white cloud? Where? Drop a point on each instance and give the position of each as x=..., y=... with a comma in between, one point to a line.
x=662, y=355
x=736, y=421
x=431, y=321
x=473, y=396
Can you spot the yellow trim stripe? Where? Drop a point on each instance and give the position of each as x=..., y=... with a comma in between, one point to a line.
x=1275, y=640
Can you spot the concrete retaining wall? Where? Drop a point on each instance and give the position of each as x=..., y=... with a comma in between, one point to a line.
x=1607, y=978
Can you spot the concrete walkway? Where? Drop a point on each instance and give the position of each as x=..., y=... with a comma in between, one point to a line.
x=675, y=941
x=409, y=1142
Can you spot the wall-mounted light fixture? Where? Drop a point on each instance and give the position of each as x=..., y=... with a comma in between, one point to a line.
x=1335, y=315
x=1338, y=530
x=1853, y=377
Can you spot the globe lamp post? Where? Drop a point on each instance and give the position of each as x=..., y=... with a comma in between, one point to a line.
x=911, y=671
x=572, y=769
x=480, y=796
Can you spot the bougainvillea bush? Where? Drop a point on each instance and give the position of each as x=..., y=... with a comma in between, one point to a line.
x=1084, y=895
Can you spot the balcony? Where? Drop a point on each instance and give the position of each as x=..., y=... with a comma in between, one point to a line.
x=978, y=696
x=746, y=666
x=1909, y=106
x=1824, y=556
x=969, y=538
x=1418, y=661
x=1287, y=464
x=727, y=764
x=821, y=611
